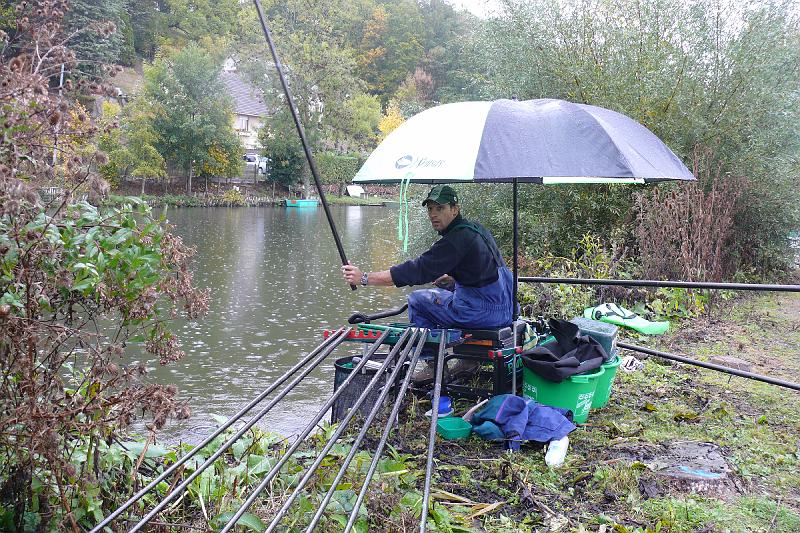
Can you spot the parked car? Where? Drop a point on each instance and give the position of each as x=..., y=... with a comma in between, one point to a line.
x=264, y=165
x=259, y=161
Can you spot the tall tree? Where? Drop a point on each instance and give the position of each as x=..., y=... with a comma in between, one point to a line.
x=192, y=112
x=392, y=46
x=95, y=27
x=175, y=23
x=717, y=73
x=131, y=147
x=149, y=24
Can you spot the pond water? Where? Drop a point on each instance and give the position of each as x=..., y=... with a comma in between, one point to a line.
x=276, y=284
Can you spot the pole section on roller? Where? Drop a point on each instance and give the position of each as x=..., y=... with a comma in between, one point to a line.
x=307, y=430
x=354, y=410
x=711, y=366
x=656, y=283
x=231, y=440
x=379, y=450
x=301, y=132
x=437, y=389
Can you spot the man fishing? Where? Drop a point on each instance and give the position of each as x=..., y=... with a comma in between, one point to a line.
x=466, y=258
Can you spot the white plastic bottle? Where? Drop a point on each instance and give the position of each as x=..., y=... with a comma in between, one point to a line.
x=556, y=452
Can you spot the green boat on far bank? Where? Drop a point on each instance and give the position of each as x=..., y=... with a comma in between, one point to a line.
x=301, y=202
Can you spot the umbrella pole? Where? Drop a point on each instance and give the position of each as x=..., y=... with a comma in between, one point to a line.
x=516, y=284
x=516, y=248
x=301, y=133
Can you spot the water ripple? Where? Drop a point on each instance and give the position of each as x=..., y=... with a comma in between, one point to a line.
x=275, y=281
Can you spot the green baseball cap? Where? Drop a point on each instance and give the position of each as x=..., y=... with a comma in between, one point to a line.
x=441, y=194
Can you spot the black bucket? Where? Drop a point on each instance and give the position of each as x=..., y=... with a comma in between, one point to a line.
x=344, y=367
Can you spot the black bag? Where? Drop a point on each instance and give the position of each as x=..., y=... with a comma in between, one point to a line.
x=571, y=354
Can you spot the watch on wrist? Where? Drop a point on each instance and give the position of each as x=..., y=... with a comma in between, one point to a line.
x=364, y=278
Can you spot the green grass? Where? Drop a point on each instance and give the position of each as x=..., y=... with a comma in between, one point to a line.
x=755, y=425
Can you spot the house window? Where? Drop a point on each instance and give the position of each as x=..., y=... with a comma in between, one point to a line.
x=246, y=124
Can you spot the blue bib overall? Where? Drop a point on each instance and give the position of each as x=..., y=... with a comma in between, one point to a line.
x=484, y=307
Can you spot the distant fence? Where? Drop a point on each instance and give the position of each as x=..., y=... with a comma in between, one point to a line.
x=49, y=194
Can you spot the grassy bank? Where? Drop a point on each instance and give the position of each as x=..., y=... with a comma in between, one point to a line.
x=610, y=480
x=233, y=198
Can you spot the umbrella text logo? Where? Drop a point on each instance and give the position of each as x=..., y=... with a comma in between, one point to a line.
x=404, y=161
x=423, y=162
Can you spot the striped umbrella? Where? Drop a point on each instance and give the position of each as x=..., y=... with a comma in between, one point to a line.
x=536, y=141
x=540, y=141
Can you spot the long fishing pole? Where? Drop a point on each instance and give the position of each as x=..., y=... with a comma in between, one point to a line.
x=301, y=133
x=354, y=410
x=711, y=366
x=306, y=431
x=437, y=389
x=656, y=283
x=379, y=450
x=330, y=343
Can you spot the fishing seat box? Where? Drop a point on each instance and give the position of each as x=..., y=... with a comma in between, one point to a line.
x=479, y=346
x=480, y=341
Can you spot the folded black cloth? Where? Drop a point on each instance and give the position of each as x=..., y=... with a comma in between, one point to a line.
x=571, y=354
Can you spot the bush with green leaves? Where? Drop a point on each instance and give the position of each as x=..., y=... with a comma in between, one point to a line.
x=591, y=259
x=76, y=286
x=233, y=198
x=335, y=169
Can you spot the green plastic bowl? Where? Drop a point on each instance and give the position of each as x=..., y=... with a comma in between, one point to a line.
x=453, y=428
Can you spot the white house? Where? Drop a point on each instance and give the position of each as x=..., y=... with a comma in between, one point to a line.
x=249, y=109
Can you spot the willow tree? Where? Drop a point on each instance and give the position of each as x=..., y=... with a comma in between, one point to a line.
x=708, y=74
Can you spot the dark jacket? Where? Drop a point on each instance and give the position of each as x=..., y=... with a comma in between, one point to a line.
x=461, y=252
x=571, y=353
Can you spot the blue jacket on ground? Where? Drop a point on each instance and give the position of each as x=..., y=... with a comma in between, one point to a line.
x=515, y=419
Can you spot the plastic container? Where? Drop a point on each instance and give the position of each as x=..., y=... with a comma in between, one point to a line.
x=574, y=393
x=603, y=391
x=556, y=452
x=605, y=334
x=445, y=407
x=453, y=428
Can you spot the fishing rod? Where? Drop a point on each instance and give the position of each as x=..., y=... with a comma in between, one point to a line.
x=656, y=283
x=378, y=404
x=328, y=346
x=378, y=451
x=308, y=429
x=437, y=389
x=711, y=366
x=208, y=462
x=301, y=133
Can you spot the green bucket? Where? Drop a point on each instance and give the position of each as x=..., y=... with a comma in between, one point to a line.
x=604, y=383
x=574, y=393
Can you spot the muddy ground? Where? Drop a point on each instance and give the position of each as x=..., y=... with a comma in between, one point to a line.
x=630, y=467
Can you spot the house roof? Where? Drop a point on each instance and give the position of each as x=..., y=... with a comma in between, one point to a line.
x=246, y=98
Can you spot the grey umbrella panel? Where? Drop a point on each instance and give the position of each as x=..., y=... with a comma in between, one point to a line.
x=557, y=139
